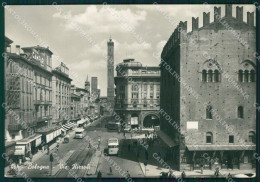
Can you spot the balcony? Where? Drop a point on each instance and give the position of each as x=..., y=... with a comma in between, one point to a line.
x=39, y=102
x=14, y=127
x=48, y=102
x=133, y=104
x=43, y=118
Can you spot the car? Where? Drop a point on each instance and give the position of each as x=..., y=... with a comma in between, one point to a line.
x=127, y=129
x=246, y=175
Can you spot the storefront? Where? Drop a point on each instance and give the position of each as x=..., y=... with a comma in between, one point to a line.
x=26, y=147
x=222, y=156
x=49, y=135
x=67, y=127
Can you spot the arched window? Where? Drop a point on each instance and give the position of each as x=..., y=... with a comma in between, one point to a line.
x=204, y=75
x=251, y=137
x=252, y=76
x=216, y=76
x=209, y=137
x=246, y=76
x=208, y=112
x=210, y=75
x=240, y=112
x=240, y=76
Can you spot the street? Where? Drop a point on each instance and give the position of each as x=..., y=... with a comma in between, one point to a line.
x=72, y=159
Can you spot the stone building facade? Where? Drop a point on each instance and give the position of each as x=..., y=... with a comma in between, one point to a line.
x=207, y=92
x=19, y=95
x=41, y=57
x=61, y=99
x=75, y=109
x=137, y=94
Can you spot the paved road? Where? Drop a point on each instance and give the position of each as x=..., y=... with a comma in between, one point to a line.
x=72, y=159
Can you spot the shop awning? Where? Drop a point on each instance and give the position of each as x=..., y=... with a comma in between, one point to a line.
x=28, y=140
x=70, y=125
x=166, y=139
x=65, y=127
x=81, y=122
x=220, y=147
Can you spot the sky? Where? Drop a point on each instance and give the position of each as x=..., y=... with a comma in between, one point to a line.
x=78, y=34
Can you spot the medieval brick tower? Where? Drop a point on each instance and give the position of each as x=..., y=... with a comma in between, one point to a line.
x=87, y=84
x=110, y=72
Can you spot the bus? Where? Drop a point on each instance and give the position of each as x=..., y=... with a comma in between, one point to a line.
x=79, y=133
x=113, y=146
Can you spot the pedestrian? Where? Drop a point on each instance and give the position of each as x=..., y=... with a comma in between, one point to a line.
x=48, y=149
x=217, y=172
x=183, y=175
x=201, y=167
x=146, y=155
x=30, y=156
x=99, y=175
x=170, y=173
x=159, y=155
x=127, y=174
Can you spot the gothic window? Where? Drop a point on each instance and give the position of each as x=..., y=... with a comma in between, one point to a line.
x=252, y=76
x=216, y=76
x=208, y=112
x=240, y=112
x=246, y=76
x=209, y=137
x=204, y=76
x=251, y=137
x=240, y=76
x=210, y=75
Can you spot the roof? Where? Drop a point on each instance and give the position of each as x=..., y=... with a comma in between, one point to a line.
x=79, y=130
x=75, y=95
x=10, y=143
x=8, y=41
x=210, y=147
x=28, y=139
x=58, y=72
x=38, y=48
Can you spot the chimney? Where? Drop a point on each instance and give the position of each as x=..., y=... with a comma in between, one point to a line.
x=228, y=10
x=239, y=13
x=250, y=18
x=8, y=48
x=217, y=13
x=17, y=49
x=195, y=23
x=206, y=19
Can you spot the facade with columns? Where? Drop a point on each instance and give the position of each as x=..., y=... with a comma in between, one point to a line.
x=209, y=92
x=137, y=94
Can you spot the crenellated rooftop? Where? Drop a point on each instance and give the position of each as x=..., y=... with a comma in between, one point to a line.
x=181, y=29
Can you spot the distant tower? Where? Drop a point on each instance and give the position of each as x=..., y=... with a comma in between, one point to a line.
x=94, y=85
x=110, y=72
x=87, y=84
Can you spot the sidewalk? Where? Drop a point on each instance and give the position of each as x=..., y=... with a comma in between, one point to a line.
x=154, y=171
x=38, y=155
x=93, y=164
